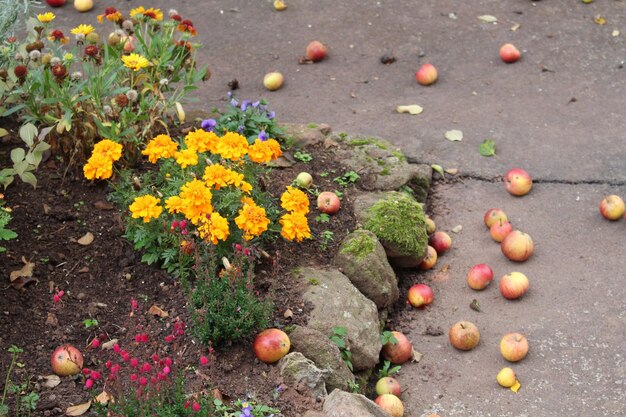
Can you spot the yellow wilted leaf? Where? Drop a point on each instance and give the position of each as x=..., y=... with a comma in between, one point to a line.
x=157, y=311
x=26, y=271
x=279, y=5
x=488, y=18
x=86, y=240
x=103, y=398
x=180, y=112
x=599, y=20
x=411, y=109
x=78, y=410
x=516, y=386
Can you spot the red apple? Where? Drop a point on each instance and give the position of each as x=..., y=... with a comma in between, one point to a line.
x=612, y=207
x=391, y=404
x=518, y=182
x=464, y=335
x=270, y=345
x=500, y=230
x=430, y=226
x=420, y=295
x=430, y=260
x=388, y=385
x=517, y=246
x=316, y=51
x=441, y=241
x=399, y=352
x=509, y=53
x=55, y=3
x=514, y=347
x=514, y=285
x=494, y=215
x=479, y=276
x=66, y=360
x=328, y=202
x=426, y=75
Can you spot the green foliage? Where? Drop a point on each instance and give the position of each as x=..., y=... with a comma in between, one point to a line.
x=326, y=237
x=487, y=148
x=347, y=178
x=89, y=323
x=339, y=338
x=388, y=337
x=388, y=370
x=5, y=234
x=25, y=402
x=354, y=386
x=223, y=305
x=303, y=156
x=250, y=119
x=26, y=161
x=12, y=13
x=359, y=245
x=322, y=218
x=244, y=408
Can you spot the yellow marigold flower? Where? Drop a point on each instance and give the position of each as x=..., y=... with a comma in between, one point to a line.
x=186, y=157
x=98, y=166
x=135, y=61
x=295, y=227
x=174, y=204
x=46, y=17
x=82, y=30
x=214, y=227
x=146, y=206
x=294, y=200
x=245, y=186
x=111, y=14
x=275, y=146
x=201, y=141
x=196, y=198
x=218, y=176
x=108, y=149
x=232, y=146
x=152, y=13
x=260, y=152
x=246, y=200
x=252, y=220
x=161, y=146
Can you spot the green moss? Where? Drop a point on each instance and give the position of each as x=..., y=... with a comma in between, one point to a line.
x=399, y=220
x=367, y=141
x=311, y=125
x=359, y=246
x=385, y=171
x=313, y=281
x=399, y=155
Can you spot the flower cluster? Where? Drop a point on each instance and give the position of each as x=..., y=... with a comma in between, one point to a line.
x=294, y=224
x=100, y=164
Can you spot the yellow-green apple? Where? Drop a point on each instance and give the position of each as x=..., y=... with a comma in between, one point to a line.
x=388, y=385
x=430, y=226
x=518, y=182
x=514, y=285
x=494, y=215
x=420, y=295
x=464, y=335
x=83, y=5
x=509, y=53
x=273, y=80
x=612, y=207
x=426, y=75
x=479, y=276
x=429, y=260
x=66, y=360
x=270, y=345
x=500, y=230
x=316, y=51
x=514, y=347
x=399, y=352
x=517, y=246
x=304, y=180
x=506, y=377
x=441, y=241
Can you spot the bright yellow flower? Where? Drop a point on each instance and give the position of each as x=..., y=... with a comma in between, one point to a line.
x=238, y=181
x=201, y=141
x=260, y=152
x=98, y=166
x=275, y=146
x=294, y=200
x=135, y=61
x=196, y=199
x=152, y=13
x=146, y=206
x=232, y=146
x=214, y=228
x=161, y=146
x=46, y=17
x=218, y=176
x=246, y=200
x=252, y=220
x=174, y=204
x=186, y=157
x=68, y=57
x=82, y=30
x=295, y=227
x=245, y=186
x=109, y=149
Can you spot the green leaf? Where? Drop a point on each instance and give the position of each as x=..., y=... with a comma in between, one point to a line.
x=487, y=148
x=17, y=155
x=28, y=133
x=340, y=331
x=29, y=178
x=3, y=132
x=438, y=168
x=6, y=234
x=33, y=158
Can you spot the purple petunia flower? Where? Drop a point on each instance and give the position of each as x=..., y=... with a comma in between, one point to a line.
x=256, y=104
x=208, y=124
x=263, y=136
x=271, y=115
x=245, y=104
x=234, y=103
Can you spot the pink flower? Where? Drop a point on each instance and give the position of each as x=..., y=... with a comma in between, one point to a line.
x=96, y=375
x=169, y=338
x=95, y=343
x=108, y=364
x=146, y=367
x=116, y=348
x=141, y=338
x=89, y=383
x=204, y=360
x=134, y=362
x=167, y=361
x=86, y=371
x=134, y=305
x=143, y=381
x=134, y=377
x=166, y=370
x=195, y=407
x=155, y=357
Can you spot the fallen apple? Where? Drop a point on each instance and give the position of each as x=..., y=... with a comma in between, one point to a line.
x=493, y=216
x=500, y=230
x=391, y=404
x=518, y=182
x=420, y=295
x=509, y=53
x=316, y=51
x=514, y=347
x=328, y=202
x=83, y=5
x=430, y=226
x=612, y=207
x=517, y=246
x=270, y=345
x=304, y=180
x=388, y=385
x=479, y=276
x=399, y=352
x=514, y=285
x=66, y=360
x=273, y=81
x=55, y=3
x=429, y=260
x=440, y=241
x=464, y=335
x=426, y=75
x=506, y=377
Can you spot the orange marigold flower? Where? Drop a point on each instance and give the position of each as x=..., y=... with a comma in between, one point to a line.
x=196, y=198
x=186, y=26
x=98, y=166
x=186, y=157
x=275, y=146
x=174, y=204
x=295, y=200
x=111, y=14
x=146, y=206
x=201, y=141
x=252, y=220
x=295, y=227
x=246, y=200
x=218, y=176
x=152, y=13
x=232, y=146
x=108, y=149
x=214, y=227
x=260, y=152
x=161, y=146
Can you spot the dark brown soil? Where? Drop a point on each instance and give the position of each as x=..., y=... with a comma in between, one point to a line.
x=100, y=279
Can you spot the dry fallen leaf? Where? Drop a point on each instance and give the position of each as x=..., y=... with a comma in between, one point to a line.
x=52, y=320
x=21, y=282
x=410, y=108
x=46, y=209
x=103, y=205
x=78, y=410
x=454, y=135
x=474, y=305
x=457, y=229
x=26, y=271
x=515, y=27
x=51, y=381
x=516, y=386
x=416, y=356
x=103, y=398
x=452, y=171
x=288, y=314
x=109, y=345
x=86, y=240
x=599, y=20
x=488, y=18
x=615, y=33
x=157, y=311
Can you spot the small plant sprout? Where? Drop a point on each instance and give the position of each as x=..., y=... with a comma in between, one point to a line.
x=303, y=156
x=347, y=178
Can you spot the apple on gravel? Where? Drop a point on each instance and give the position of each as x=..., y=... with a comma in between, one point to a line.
x=464, y=335
x=479, y=277
x=316, y=51
x=514, y=347
x=399, y=352
x=426, y=75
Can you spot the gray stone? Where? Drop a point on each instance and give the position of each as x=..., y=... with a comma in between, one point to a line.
x=344, y=404
x=312, y=413
x=306, y=134
x=363, y=260
x=326, y=355
x=336, y=302
x=301, y=374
